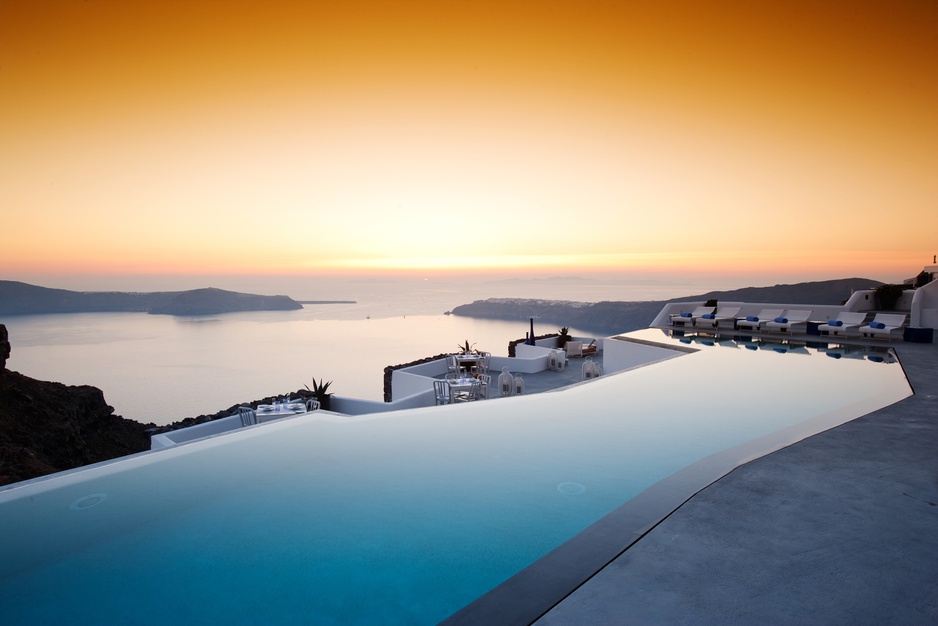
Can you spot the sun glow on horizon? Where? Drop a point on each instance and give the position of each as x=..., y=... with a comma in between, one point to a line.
x=295, y=137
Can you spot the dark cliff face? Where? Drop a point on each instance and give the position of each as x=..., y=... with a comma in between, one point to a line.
x=48, y=427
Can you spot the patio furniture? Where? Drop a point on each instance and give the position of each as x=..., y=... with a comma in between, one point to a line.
x=466, y=363
x=574, y=348
x=884, y=326
x=842, y=324
x=755, y=322
x=687, y=319
x=312, y=404
x=484, y=382
x=465, y=389
x=792, y=321
x=281, y=408
x=248, y=416
x=441, y=392
x=713, y=320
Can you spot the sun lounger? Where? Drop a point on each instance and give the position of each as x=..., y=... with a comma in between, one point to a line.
x=713, y=320
x=841, y=325
x=795, y=320
x=755, y=322
x=687, y=319
x=884, y=326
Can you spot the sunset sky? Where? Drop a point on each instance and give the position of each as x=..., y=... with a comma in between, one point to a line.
x=782, y=140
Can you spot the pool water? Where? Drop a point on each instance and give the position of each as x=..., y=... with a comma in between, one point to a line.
x=397, y=518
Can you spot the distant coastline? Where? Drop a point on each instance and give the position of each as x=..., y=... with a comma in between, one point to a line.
x=18, y=298
x=620, y=317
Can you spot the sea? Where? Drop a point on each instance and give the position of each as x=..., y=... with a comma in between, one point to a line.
x=161, y=369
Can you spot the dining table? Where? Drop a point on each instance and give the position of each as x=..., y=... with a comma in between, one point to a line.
x=463, y=387
x=268, y=412
x=465, y=362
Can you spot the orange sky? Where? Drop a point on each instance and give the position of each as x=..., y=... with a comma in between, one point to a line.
x=786, y=139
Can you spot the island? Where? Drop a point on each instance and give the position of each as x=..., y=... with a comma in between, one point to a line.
x=621, y=317
x=17, y=298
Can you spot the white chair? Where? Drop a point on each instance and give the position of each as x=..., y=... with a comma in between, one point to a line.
x=842, y=324
x=312, y=404
x=755, y=322
x=574, y=348
x=793, y=320
x=884, y=326
x=441, y=392
x=484, y=382
x=248, y=416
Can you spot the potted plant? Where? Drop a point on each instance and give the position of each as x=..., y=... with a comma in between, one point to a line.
x=887, y=296
x=467, y=348
x=320, y=391
x=564, y=337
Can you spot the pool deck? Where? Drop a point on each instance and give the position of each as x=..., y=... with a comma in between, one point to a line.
x=839, y=528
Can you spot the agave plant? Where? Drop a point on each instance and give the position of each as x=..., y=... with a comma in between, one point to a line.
x=466, y=348
x=320, y=391
x=564, y=337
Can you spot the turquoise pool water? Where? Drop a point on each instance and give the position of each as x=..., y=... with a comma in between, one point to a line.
x=401, y=518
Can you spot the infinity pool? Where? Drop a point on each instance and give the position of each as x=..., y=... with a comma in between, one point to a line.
x=405, y=517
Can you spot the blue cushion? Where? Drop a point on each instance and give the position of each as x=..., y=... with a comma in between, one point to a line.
x=835, y=323
x=687, y=315
x=708, y=316
x=752, y=318
x=781, y=320
x=877, y=325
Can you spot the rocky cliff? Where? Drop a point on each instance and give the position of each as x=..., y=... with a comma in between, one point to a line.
x=49, y=427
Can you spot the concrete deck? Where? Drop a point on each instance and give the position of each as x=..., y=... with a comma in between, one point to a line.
x=840, y=528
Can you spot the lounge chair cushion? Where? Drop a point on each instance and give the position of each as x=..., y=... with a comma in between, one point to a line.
x=835, y=323
x=878, y=325
x=708, y=316
x=687, y=315
x=781, y=320
x=752, y=318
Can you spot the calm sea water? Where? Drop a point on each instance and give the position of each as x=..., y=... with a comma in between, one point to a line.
x=161, y=369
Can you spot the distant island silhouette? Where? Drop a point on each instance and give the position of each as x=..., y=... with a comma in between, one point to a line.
x=626, y=316
x=17, y=298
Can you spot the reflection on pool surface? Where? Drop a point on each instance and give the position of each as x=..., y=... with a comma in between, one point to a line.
x=401, y=517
